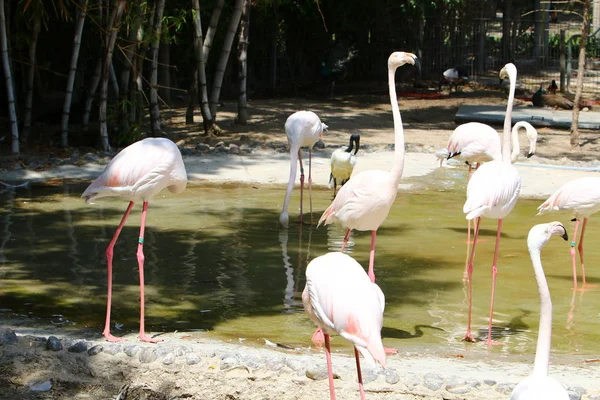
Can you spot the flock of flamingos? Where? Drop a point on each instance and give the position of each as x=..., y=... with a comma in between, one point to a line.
x=363, y=202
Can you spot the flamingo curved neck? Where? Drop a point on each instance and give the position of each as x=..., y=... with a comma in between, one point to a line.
x=398, y=165
x=516, y=146
x=506, y=157
x=542, y=352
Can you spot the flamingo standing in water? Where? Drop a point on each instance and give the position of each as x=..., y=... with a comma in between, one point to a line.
x=364, y=202
x=539, y=385
x=492, y=192
x=343, y=162
x=477, y=143
x=137, y=173
x=340, y=298
x=303, y=128
x=581, y=195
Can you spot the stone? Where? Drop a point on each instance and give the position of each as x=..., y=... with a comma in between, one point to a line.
x=148, y=355
x=319, y=145
x=391, y=376
x=95, y=350
x=131, y=350
x=489, y=382
x=78, y=347
x=169, y=359
x=433, y=381
x=8, y=336
x=202, y=147
x=368, y=375
x=244, y=148
x=53, y=344
x=505, y=388
x=317, y=373
x=42, y=386
x=234, y=149
x=229, y=362
x=192, y=358
x=112, y=348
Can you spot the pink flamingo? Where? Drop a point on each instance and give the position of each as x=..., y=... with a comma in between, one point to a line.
x=303, y=128
x=492, y=192
x=539, y=385
x=137, y=173
x=364, y=202
x=331, y=301
x=582, y=196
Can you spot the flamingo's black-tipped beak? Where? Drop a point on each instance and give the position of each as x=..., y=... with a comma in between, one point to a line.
x=529, y=155
x=418, y=64
x=565, y=236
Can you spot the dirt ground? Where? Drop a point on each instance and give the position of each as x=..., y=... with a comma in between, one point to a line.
x=428, y=120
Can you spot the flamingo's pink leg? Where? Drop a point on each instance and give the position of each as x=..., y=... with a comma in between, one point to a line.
x=301, y=183
x=371, y=272
x=469, y=336
x=329, y=367
x=310, y=182
x=468, y=252
x=346, y=238
x=109, y=259
x=359, y=373
x=494, y=273
x=580, y=247
x=140, y=258
x=572, y=250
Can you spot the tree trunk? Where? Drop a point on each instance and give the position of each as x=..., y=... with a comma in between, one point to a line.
x=164, y=73
x=507, y=19
x=37, y=25
x=242, y=117
x=113, y=29
x=81, y=14
x=129, y=52
x=574, y=136
x=207, y=117
x=10, y=94
x=224, y=57
x=91, y=93
x=154, y=107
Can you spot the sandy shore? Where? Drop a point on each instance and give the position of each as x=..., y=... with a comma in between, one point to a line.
x=540, y=176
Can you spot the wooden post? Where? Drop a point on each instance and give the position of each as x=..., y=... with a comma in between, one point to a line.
x=562, y=60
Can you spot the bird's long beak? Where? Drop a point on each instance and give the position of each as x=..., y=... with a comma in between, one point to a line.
x=529, y=155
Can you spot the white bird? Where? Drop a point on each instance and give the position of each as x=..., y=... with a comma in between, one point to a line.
x=343, y=162
x=341, y=299
x=539, y=385
x=137, y=173
x=454, y=77
x=303, y=129
x=492, y=192
x=582, y=196
x=477, y=143
x=364, y=202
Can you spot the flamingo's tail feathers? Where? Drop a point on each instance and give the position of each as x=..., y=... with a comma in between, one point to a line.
x=373, y=352
x=475, y=213
x=547, y=206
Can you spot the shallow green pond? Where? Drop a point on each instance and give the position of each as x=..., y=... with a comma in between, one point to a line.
x=216, y=261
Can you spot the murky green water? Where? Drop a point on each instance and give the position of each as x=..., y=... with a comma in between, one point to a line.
x=216, y=261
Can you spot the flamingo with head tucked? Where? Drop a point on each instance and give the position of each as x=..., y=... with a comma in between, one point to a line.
x=477, y=143
x=303, y=129
x=539, y=385
x=492, y=192
x=137, y=173
x=340, y=298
